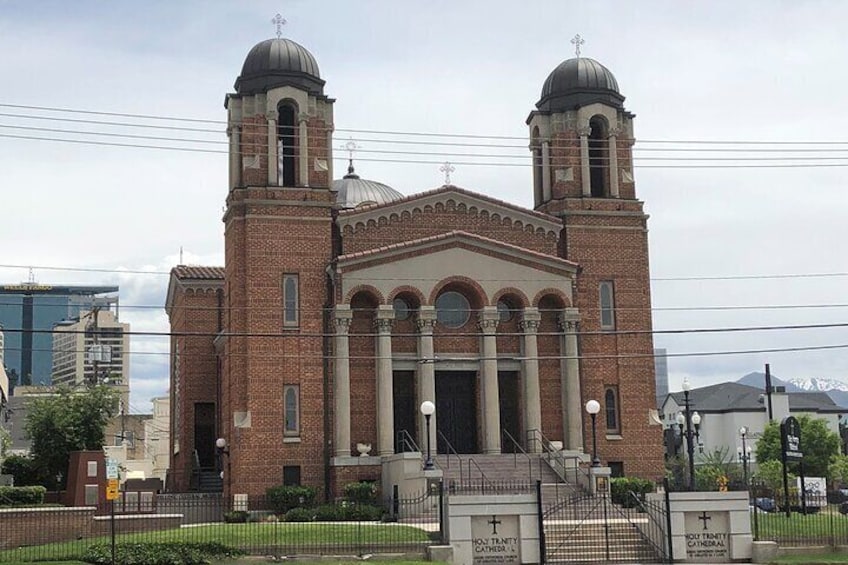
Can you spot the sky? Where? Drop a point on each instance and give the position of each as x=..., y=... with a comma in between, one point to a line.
x=743, y=239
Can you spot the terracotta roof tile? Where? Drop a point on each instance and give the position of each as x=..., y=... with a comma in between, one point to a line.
x=198, y=272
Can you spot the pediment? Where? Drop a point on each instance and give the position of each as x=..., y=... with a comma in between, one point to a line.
x=425, y=263
x=450, y=197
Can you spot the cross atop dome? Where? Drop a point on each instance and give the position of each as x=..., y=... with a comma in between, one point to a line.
x=577, y=41
x=279, y=21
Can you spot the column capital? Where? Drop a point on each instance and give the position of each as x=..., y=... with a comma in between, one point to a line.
x=488, y=319
x=530, y=320
x=425, y=321
x=384, y=318
x=614, y=132
x=342, y=317
x=584, y=131
x=568, y=319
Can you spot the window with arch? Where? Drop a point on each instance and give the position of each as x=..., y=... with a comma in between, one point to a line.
x=506, y=311
x=611, y=410
x=452, y=309
x=598, y=157
x=403, y=310
x=606, y=290
x=291, y=410
x=286, y=144
x=291, y=318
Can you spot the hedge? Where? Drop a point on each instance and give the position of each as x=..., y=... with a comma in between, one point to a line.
x=281, y=499
x=22, y=496
x=621, y=487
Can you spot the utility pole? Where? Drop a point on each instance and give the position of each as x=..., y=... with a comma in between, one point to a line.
x=768, y=392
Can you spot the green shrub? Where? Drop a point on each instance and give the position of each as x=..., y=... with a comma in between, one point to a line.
x=621, y=487
x=328, y=513
x=347, y=511
x=363, y=492
x=24, y=469
x=300, y=515
x=235, y=517
x=169, y=553
x=22, y=496
x=281, y=499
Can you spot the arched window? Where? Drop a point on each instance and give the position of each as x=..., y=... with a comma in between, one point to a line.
x=290, y=300
x=598, y=157
x=606, y=293
x=452, y=309
x=291, y=408
x=286, y=144
x=611, y=407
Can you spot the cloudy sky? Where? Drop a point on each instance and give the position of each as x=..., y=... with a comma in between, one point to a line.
x=730, y=229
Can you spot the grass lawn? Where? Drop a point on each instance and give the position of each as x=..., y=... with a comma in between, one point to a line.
x=814, y=558
x=254, y=562
x=811, y=527
x=254, y=538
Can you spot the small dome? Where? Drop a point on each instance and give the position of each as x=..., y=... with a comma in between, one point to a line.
x=352, y=191
x=578, y=82
x=279, y=62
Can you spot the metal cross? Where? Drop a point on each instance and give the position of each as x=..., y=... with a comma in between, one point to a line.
x=577, y=41
x=704, y=516
x=351, y=146
x=447, y=168
x=279, y=21
x=494, y=522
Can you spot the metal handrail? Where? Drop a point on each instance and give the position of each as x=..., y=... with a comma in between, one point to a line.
x=450, y=450
x=479, y=469
x=555, y=458
x=515, y=456
x=404, y=438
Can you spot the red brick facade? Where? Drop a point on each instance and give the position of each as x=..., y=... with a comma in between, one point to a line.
x=247, y=355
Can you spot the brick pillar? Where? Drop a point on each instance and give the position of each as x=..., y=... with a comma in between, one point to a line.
x=546, y=171
x=613, y=162
x=585, y=178
x=303, y=138
x=341, y=381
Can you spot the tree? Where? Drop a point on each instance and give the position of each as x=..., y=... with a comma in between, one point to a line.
x=72, y=420
x=818, y=443
x=838, y=470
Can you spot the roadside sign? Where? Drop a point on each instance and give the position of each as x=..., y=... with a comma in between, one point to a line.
x=112, y=489
x=111, y=469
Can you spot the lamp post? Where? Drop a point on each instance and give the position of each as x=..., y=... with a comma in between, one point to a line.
x=744, y=453
x=427, y=408
x=593, y=407
x=690, y=444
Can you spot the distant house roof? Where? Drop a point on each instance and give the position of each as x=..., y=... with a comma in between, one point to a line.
x=735, y=397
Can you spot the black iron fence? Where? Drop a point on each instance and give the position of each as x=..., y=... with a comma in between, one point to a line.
x=403, y=522
x=813, y=519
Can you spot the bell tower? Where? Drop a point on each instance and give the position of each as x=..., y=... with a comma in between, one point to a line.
x=581, y=140
x=278, y=242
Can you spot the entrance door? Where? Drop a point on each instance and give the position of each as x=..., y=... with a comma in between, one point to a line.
x=510, y=399
x=204, y=433
x=456, y=410
x=403, y=389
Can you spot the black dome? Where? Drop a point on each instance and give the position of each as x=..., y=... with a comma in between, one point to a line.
x=578, y=82
x=279, y=62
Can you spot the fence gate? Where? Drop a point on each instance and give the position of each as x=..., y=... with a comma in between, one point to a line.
x=580, y=528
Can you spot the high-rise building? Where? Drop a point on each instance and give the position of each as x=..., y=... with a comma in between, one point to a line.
x=94, y=348
x=28, y=312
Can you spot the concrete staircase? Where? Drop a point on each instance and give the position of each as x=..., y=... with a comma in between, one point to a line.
x=596, y=541
x=499, y=470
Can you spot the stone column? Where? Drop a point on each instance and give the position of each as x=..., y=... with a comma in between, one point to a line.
x=303, y=139
x=426, y=373
x=330, y=157
x=530, y=372
x=385, y=395
x=546, y=171
x=613, y=162
x=341, y=381
x=585, y=178
x=274, y=178
x=488, y=323
x=235, y=156
x=570, y=370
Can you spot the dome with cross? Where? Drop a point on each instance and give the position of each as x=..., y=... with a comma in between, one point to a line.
x=279, y=62
x=578, y=82
x=353, y=191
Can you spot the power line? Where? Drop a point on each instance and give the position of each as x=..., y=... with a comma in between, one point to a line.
x=766, y=276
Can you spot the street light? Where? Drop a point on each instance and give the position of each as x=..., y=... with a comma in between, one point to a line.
x=744, y=453
x=690, y=435
x=593, y=407
x=427, y=408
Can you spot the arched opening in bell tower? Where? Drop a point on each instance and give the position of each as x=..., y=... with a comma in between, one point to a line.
x=286, y=143
x=598, y=157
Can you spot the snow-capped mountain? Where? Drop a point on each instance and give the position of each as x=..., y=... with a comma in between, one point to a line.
x=815, y=384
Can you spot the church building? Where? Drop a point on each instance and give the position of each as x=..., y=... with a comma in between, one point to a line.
x=342, y=305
